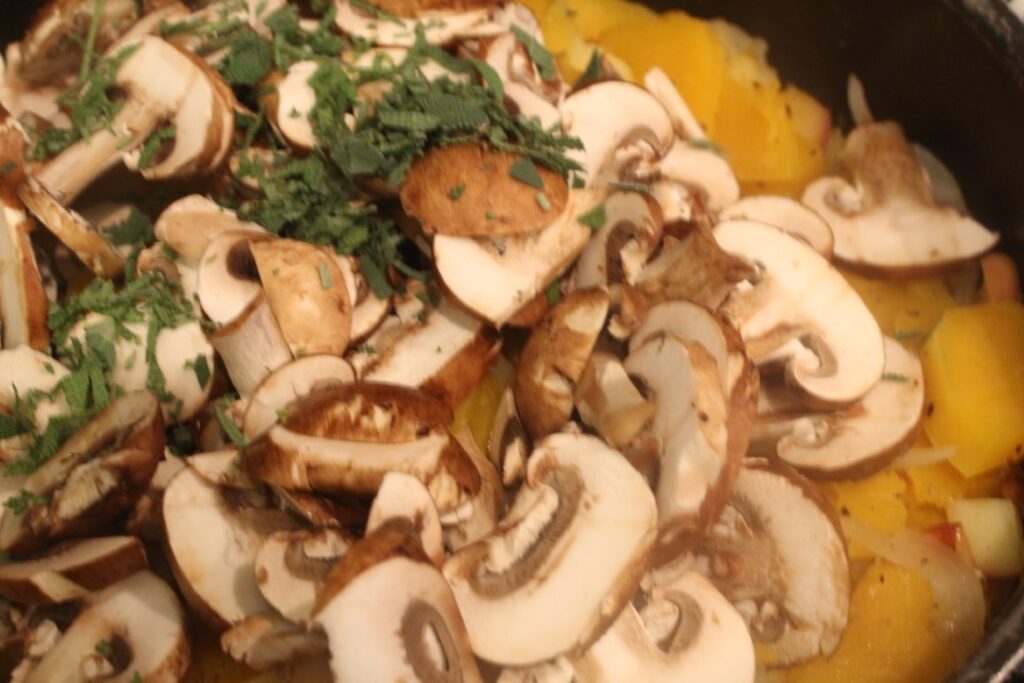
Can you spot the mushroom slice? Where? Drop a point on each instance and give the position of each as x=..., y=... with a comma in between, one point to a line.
x=292, y=566
x=801, y=296
x=265, y=641
x=697, y=169
x=389, y=615
x=558, y=670
x=696, y=636
x=554, y=357
x=438, y=27
x=620, y=249
x=786, y=214
x=479, y=515
x=293, y=380
x=368, y=311
x=403, y=496
x=887, y=219
x=23, y=304
x=467, y=190
x=143, y=624
x=857, y=441
x=777, y=553
x=684, y=122
x=290, y=103
x=229, y=281
x=608, y=401
x=307, y=292
x=92, y=564
x=95, y=476
x=212, y=541
x=188, y=225
x=509, y=442
x=77, y=234
x=344, y=439
x=532, y=96
x=694, y=268
x=609, y=115
x=221, y=468
x=517, y=267
x=26, y=372
x=447, y=356
x=252, y=346
x=577, y=536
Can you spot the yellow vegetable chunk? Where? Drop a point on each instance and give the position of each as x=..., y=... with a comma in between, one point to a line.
x=974, y=385
x=906, y=310
x=538, y=7
x=993, y=531
x=889, y=639
x=937, y=484
x=878, y=501
x=594, y=17
x=478, y=410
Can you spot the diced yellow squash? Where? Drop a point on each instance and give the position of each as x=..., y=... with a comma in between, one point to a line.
x=685, y=48
x=809, y=118
x=878, y=501
x=937, y=484
x=477, y=411
x=890, y=638
x=538, y=7
x=563, y=38
x=595, y=17
x=974, y=383
x=907, y=310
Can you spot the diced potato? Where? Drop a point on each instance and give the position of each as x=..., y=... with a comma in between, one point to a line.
x=595, y=17
x=906, y=310
x=974, y=382
x=878, y=501
x=993, y=530
x=890, y=638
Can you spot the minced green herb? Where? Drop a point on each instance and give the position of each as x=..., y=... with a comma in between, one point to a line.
x=231, y=430
x=20, y=503
x=456, y=192
x=538, y=53
x=595, y=218
x=153, y=144
x=526, y=172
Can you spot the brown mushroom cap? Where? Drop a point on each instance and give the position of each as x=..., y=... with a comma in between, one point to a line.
x=467, y=190
x=23, y=303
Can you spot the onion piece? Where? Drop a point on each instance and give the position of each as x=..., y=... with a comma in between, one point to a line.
x=858, y=102
x=958, y=600
x=922, y=457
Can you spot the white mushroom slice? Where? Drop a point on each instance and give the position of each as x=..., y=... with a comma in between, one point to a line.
x=516, y=268
x=786, y=214
x=609, y=115
x=862, y=439
x=695, y=269
x=26, y=371
x=221, y=468
x=403, y=496
x=887, y=220
x=92, y=564
x=695, y=467
x=228, y=279
x=266, y=641
x=389, y=615
x=696, y=168
x=554, y=357
x=438, y=27
x=212, y=541
x=620, y=249
x=307, y=293
x=684, y=122
x=704, y=639
x=801, y=296
x=77, y=234
x=608, y=401
x=577, y=537
x=292, y=566
x=479, y=515
x=23, y=304
x=523, y=85
x=293, y=101
x=252, y=346
x=269, y=402
x=558, y=670
x=142, y=622
x=97, y=474
x=188, y=225
x=368, y=311
x=777, y=554
x=447, y=356
x=509, y=444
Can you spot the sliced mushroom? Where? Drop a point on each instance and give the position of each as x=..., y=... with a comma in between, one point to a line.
x=857, y=441
x=887, y=219
x=23, y=304
x=290, y=102
x=467, y=190
x=265, y=641
x=229, y=281
x=556, y=671
x=269, y=402
x=777, y=553
x=221, y=468
x=577, y=537
x=618, y=252
x=439, y=27
x=188, y=225
x=516, y=268
x=509, y=442
x=786, y=214
x=389, y=615
x=695, y=468
x=554, y=358
x=608, y=401
x=685, y=631
x=27, y=371
x=690, y=176
x=479, y=515
x=96, y=475
x=141, y=621
x=292, y=566
x=252, y=346
x=684, y=122
x=212, y=540
x=368, y=311
x=307, y=293
x=800, y=296
x=532, y=96
x=345, y=439
x=92, y=564
x=609, y=115
x=403, y=496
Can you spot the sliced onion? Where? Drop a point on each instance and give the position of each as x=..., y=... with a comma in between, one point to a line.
x=922, y=457
x=858, y=101
x=958, y=600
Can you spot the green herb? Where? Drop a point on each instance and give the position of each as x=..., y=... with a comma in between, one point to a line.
x=20, y=503
x=367, y=349
x=230, y=428
x=908, y=335
x=525, y=171
x=49, y=368
x=553, y=293
x=538, y=53
x=595, y=218
x=894, y=377
x=58, y=430
x=201, y=366
x=490, y=215
x=282, y=414
x=8, y=168
x=105, y=649
x=136, y=678
x=627, y=186
x=542, y=201
x=578, y=182
x=153, y=143
x=376, y=12
x=594, y=72
x=456, y=192
x=325, y=276
x=249, y=59
x=292, y=43
x=89, y=49
x=135, y=230
x=14, y=425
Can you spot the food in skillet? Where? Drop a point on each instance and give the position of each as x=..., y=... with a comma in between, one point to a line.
x=450, y=341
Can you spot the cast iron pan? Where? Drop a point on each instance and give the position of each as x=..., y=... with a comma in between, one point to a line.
x=951, y=71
